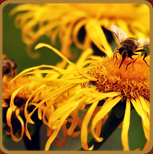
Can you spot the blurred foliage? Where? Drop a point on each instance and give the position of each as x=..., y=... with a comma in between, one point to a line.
x=15, y=49
x=5, y=137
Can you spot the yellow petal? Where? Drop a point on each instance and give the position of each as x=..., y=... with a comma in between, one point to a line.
x=125, y=126
x=8, y=118
x=99, y=38
x=146, y=131
x=63, y=111
x=137, y=105
x=84, y=129
x=144, y=117
x=22, y=128
x=51, y=139
x=74, y=122
x=14, y=95
x=4, y=104
x=28, y=115
x=76, y=31
x=57, y=128
x=64, y=58
x=103, y=111
x=146, y=145
x=98, y=127
x=48, y=110
x=63, y=141
x=144, y=105
x=22, y=7
x=27, y=132
x=84, y=55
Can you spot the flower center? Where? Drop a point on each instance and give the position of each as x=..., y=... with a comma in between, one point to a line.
x=131, y=82
x=138, y=71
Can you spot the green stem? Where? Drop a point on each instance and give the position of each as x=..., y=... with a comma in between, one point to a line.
x=108, y=128
x=34, y=143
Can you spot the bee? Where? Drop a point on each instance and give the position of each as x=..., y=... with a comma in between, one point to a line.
x=9, y=67
x=128, y=46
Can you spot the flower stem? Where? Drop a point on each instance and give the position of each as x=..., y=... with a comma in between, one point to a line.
x=34, y=143
x=108, y=128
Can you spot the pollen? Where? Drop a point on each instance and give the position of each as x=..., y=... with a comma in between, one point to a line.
x=130, y=82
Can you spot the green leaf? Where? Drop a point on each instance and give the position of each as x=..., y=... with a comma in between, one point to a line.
x=119, y=109
x=86, y=107
x=108, y=128
x=5, y=137
x=31, y=128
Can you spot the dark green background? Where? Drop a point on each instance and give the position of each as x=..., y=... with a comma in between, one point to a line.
x=14, y=48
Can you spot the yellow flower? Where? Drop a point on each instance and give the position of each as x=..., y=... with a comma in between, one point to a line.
x=14, y=111
x=132, y=84
x=14, y=96
x=48, y=92
x=85, y=84
x=69, y=20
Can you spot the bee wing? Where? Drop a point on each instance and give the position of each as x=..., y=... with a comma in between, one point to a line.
x=118, y=33
x=143, y=43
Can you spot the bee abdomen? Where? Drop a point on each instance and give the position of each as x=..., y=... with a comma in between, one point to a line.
x=130, y=44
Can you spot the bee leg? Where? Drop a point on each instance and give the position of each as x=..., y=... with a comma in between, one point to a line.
x=132, y=61
x=145, y=55
x=13, y=73
x=135, y=59
x=124, y=54
x=14, y=69
x=115, y=54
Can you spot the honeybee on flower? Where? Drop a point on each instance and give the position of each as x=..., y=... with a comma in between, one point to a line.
x=94, y=85
x=67, y=93
x=129, y=46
